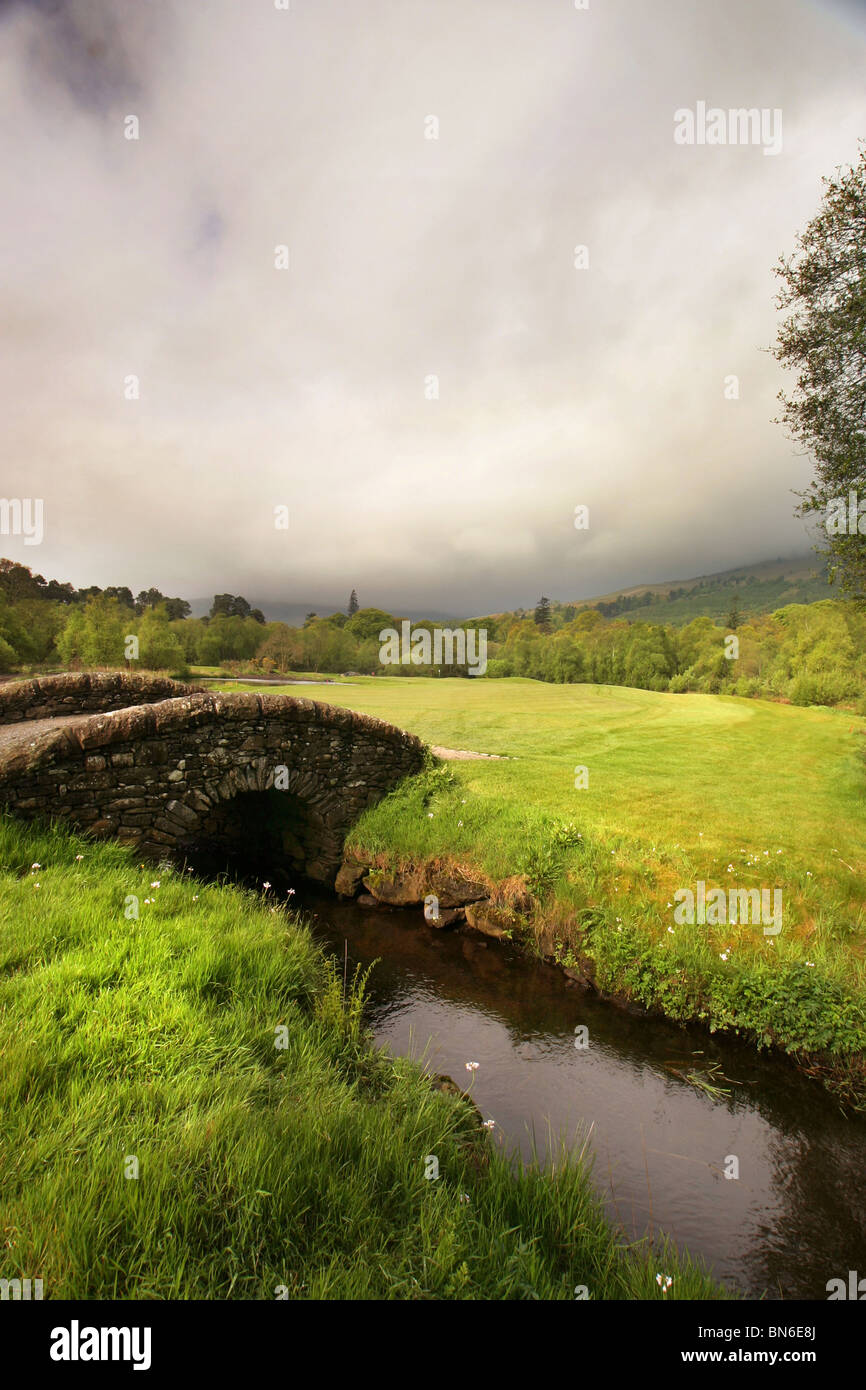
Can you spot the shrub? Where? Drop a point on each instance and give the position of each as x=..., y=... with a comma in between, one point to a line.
x=822, y=688
x=8, y=657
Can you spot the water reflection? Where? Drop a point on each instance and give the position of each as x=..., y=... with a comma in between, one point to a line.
x=795, y=1217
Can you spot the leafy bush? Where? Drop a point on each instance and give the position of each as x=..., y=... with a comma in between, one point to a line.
x=8, y=657
x=822, y=688
x=544, y=862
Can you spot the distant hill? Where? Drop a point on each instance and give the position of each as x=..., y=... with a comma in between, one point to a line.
x=758, y=588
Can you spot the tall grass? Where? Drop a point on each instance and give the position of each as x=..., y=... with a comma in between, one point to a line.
x=260, y=1168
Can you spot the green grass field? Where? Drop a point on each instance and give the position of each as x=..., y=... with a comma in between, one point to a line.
x=155, y=1143
x=681, y=788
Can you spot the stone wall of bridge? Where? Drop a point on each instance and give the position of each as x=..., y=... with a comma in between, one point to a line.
x=172, y=775
x=83, y=692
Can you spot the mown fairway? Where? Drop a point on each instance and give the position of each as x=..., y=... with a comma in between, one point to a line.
x=737, y=793
x=712, y=776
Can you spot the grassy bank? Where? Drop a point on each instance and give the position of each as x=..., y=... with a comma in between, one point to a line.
x=258, y=1167
x=681, y=788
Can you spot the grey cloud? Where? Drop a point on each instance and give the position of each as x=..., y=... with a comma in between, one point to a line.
x=408, y=258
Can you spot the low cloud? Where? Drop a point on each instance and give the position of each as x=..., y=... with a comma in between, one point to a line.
x=432, y=386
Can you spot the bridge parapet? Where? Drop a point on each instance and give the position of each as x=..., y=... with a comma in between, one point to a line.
x=83, y=692
x=178, y=773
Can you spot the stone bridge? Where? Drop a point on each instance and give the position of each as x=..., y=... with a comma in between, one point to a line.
x=177, y=772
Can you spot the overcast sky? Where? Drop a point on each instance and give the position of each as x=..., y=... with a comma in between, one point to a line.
x=409, y=258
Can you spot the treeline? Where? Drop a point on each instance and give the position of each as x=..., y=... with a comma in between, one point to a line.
x=18, y=583
x=45, y=622
x=806, y=653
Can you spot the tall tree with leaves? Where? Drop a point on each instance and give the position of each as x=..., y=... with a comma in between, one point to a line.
x=542, y=614
x=232, y=606
x=824, y=341
x=353, y=603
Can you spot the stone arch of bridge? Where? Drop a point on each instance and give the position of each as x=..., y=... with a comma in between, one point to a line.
x=162, y=767
x=267, y=821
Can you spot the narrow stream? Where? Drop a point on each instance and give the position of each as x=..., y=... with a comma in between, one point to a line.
x=793, y=1219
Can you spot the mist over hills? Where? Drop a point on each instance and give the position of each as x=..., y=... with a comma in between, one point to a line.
x=294, y=613
x=758, y=588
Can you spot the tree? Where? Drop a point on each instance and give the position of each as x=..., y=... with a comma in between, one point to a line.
x=159, y=647
x=353, y=603
x=96, y=635
x=228, y=639
x=152, y=598
x=19, y=582
x=564, y=660
x=122, y=594
x=188, y=632
x=327, y=648
x=367, y=623
x=177, y=608
x=148, y=598
x=70, y=642
x=222, y=606
x=234, y=606
x=284, y=646
x=13, y=640
x=542, y=614
x=824, y=341
x=8, y=656
x=61, y=593
x=734, y=619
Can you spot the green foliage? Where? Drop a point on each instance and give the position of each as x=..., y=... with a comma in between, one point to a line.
x=228, y=639
x=173, y=608
x=823, y=341
x=545, y=860
x=8, y=656
x=809, y=654
x=789, y=1004
x=96, y=634
x=299, y=1166
x=339, y=1004
x=822, y=688
x=541, y=616
x=159, y=646
x=367, y=623
x=231, y=606
x=678, y=790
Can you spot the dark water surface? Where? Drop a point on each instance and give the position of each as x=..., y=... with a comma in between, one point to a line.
x=794, y=1219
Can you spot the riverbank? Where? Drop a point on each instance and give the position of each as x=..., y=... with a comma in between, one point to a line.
x=815, y=1023
x=192, y=1109
x=659, y=1107
x=607, y=802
